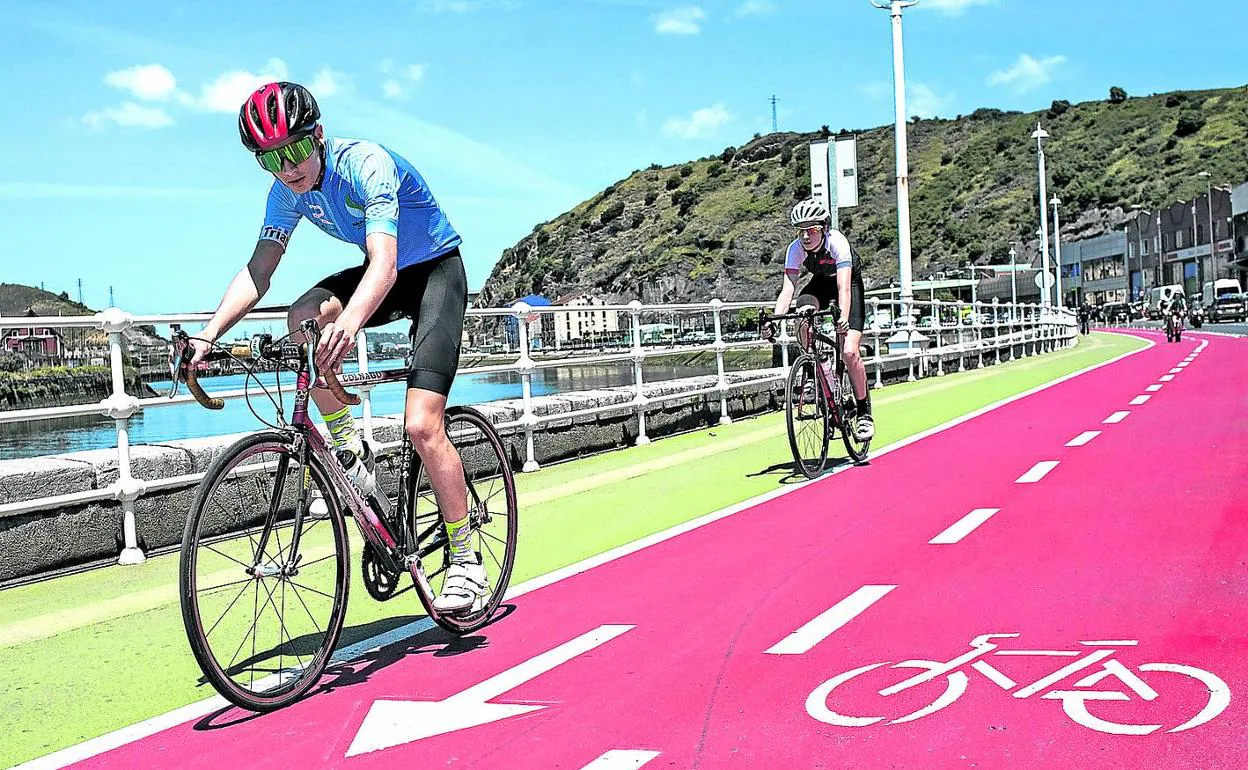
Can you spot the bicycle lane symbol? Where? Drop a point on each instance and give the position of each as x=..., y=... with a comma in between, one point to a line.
x=1074, y=700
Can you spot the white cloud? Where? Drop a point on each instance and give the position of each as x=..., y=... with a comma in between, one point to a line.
x=701, y=124
x=150, y=82
x=922, y=100
x=391, y=89
x=686, y=20
x=128, y=114
x=415, y=72
x=328, y=83
x=756, y=8
x=954, y=7
x=230, y=89
x=1027, y=73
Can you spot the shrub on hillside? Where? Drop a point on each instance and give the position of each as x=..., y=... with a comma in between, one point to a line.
x=1190, y=122
x=612, y=211
x=672, y=183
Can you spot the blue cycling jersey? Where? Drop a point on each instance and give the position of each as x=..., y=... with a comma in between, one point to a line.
x=365, y=189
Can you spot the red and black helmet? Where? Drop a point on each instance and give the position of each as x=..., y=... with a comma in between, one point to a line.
x=274, y=113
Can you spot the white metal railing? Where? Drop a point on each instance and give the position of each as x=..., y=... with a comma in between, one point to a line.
x=938, y=334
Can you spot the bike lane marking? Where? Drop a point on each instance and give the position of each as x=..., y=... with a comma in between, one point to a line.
x=1138, y=400
x=1176, y=370
x=1083, y=438
x=1153, y=388
x=1167, y=378
x=965, y=526
x=828, y=622
x=251, y=736
x=1116, y=417
x=622, y=759
x=1037, y=472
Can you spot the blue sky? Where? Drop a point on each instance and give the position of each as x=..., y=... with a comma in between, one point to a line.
x=125, y=168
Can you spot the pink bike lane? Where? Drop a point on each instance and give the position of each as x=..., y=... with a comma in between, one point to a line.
x=722, y=647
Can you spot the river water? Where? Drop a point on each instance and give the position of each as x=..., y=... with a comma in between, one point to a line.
x=190, y=420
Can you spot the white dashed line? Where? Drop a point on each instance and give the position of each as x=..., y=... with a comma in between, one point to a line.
x=1037, y=472
x=1176, y=371
x=1167, y=377
x=805, y=638
x=1083, y=438
x=1153, y=388
x=1116, y=417
x=1182, y=364
x=1139, y=400
x=965, y=526
x=621, y=759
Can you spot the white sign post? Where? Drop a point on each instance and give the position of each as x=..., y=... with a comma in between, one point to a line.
x=834, y=175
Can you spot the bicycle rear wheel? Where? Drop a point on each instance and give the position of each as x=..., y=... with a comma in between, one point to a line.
x=493, y=518
x=262, y=620
x=806, y=417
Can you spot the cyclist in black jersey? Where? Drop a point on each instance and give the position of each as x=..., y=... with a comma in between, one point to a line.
x=836, y=276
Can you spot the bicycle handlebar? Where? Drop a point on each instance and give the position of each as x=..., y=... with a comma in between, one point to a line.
x=802, y=315
x=264, y=348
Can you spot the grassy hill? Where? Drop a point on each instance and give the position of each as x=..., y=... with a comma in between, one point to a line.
x=16, y=299
x=716, y=226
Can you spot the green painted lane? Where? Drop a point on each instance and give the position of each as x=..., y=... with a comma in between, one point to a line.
x=90, y=653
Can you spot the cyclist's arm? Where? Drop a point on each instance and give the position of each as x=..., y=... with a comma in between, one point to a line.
x=844, y=289
x=787, y=290
x=251, y=283
x=378, y=278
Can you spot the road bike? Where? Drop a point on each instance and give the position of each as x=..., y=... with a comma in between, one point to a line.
x=265, y=562
x=1174, y=327
x=816, y=406
x=1075, y=698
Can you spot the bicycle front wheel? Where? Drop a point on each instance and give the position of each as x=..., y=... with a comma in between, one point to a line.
x=493, y=518
x=849, y=416
x=264, y=573
x=806, y=416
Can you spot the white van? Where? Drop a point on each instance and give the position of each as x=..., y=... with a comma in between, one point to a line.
x=1223, y=300
x=1159, y=299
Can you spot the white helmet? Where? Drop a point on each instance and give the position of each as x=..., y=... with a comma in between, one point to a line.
x=809, y=210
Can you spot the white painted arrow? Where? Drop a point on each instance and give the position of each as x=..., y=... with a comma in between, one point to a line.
x=394, y=722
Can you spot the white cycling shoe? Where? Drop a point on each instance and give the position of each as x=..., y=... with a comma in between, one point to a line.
x=466, y=588
x=865, y=428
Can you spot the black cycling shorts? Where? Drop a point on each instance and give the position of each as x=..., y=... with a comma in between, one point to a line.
x=821, y=292
x=434, y=295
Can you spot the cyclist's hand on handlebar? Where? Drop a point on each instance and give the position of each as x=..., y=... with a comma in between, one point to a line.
x=198, y=349
x=768, y=330
x=842, y=324
x=337, y=340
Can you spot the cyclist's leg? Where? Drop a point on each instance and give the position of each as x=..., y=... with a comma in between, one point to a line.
x=852, y=345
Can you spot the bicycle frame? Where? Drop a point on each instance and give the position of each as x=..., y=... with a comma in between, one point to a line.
x=817, y=343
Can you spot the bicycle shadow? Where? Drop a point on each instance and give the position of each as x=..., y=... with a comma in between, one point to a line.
x=794, y=476
x=434, y=641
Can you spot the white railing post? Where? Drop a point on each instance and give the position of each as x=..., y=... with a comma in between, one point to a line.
x=366, y=391
x=720, y=346
x=875, y=328
x=936, y=325
x=120, y=406
x=996, y=327
x=910, y=345
x=634, y=308
x=961, y=343
x=525, y=365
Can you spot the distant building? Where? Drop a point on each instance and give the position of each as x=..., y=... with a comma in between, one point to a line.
x=541, y=326
x=1094, y=269
x=37, y=344
x=585, y=324
x=1187, y=255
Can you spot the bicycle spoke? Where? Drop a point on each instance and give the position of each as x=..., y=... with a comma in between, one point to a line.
x=227, y=556
x=309, y=588
x=315, y=625
x=305, y=565
x=242, y=591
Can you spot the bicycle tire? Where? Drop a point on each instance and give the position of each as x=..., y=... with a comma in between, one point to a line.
x=804, y=369
x=195, y=536
x=487, y=474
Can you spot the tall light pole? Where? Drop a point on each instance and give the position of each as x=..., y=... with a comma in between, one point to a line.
x=1013, y=283
x=895, y=7
x=1040, y=135
x=1213, y=259
x=1057, y=246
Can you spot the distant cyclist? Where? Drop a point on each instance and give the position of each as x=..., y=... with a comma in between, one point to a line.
x=366, y=194
x=836, y=277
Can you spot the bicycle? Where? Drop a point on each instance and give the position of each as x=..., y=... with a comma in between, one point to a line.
x=1074, y=700
x=266, y=530
x=816, y=406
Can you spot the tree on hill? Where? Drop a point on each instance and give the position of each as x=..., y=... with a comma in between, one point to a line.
x=1117, y=95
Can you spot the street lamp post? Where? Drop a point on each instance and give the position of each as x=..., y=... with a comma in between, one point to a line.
x=1040, y=135
x=895, y=7
x=1013, y=283
x=1057, y=247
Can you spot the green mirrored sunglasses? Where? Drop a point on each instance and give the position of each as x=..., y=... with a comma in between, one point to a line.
x=295, y=153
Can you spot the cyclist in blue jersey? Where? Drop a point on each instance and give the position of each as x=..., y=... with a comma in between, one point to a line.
x=836, y=277
x=363, y=193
